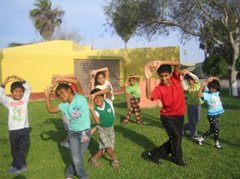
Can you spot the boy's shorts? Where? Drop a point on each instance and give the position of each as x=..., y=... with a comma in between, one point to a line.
x=106, y=137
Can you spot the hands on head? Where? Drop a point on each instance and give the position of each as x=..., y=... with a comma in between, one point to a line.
x=12, y=78
x=151, y=67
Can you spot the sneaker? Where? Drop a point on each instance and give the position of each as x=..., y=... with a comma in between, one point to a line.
x=94, y=163
x=151, y=158
x=24, y=168
x=217, y=145
x=65, y=144
x=200, y=140
x=115, y=164
x=13, y=170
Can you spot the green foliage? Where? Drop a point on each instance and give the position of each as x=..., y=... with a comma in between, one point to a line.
x=47, y=159
x=46, y=18
x=123, y=18
x=238, y=64
x=215, y=66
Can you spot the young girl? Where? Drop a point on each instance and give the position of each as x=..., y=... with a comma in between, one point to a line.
x=133, y=98
x=75, y=107
x=193, y=102
x=65, y=142
x=101, y=80
x=215, y=108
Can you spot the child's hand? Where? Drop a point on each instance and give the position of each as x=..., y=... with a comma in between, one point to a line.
x=90, y=106
x=8, y=79
x=56, y=78
x=92, y=96
x=48, y=90
x=150, y=68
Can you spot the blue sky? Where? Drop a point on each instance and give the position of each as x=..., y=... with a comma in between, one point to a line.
x=86, y=18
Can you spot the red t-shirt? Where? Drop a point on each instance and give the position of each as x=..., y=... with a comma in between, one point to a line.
x=172, y=97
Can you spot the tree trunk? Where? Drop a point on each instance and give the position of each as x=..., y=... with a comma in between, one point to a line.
x=234, y=72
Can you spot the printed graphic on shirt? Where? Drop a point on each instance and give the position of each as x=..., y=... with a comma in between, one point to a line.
x=18, y=110
x=109, y=110
x=215, y=102
x=76, y=112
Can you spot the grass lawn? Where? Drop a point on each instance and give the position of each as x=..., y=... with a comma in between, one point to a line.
x=47, y=160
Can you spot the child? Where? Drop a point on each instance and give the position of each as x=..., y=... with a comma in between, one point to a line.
x=104, y=116
x=18, y=124
x=171, y=94
x=101, y=81
x=193, y=102
x=75, y=108
x=215, y=108
x=65, y=142
x=133, y=99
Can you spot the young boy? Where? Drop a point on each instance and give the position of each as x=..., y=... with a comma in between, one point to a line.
x=133, y=98
x=215, y=108
x=75, y=107
x=191, y=84
x=104, y=116
x=171, y=94
x=18, y=124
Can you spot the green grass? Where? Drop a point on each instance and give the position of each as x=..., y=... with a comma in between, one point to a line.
x=47, y=160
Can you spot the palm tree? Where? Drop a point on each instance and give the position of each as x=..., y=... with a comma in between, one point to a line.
x=46, y=18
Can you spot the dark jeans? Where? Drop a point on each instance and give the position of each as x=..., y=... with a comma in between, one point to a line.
x=193, y=118
x=173, y=126
x=19, y=141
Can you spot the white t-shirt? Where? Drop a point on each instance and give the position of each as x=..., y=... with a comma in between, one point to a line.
x=106, y=85
x=17, y=109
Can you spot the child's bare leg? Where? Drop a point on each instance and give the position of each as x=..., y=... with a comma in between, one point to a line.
x=110, y=153
x=99, y=154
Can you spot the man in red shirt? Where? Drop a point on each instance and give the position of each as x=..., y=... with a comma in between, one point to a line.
x=171, y=94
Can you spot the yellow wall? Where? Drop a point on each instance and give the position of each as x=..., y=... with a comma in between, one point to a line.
x=37, y=62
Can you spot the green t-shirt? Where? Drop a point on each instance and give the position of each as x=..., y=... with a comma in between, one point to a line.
x=192, y=98
x=77, y=113
x=134, y=90
x=106, y=114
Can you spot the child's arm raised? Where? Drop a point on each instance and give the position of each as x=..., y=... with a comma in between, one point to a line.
x=95, y=117
x=149, y=69
x=107, y=92
x=72, y=80
x=50, y=108
x=199, y=94
x=3, y=98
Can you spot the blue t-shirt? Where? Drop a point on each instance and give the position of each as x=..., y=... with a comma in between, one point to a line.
x=77, y=113
x=214, y=103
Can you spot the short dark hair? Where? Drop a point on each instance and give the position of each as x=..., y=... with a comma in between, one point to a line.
x=164, y=69
x=15, y=85
x=95, y=90
x=188, y=77
x=214, y=84
x=96, y=76
x=63, y=86
x=131, y=77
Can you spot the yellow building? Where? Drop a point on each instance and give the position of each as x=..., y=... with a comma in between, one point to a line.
x=38, y=62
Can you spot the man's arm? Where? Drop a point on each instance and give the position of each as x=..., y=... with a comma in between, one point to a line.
x=50, y=107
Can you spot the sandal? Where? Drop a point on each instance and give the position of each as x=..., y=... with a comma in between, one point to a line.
x=115, y=164
x=94, y=163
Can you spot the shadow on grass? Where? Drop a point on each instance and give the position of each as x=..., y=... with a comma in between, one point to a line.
x=120, y=105
x=19, y=177
x=149, y=120
x=135, y=137
x=57, y=136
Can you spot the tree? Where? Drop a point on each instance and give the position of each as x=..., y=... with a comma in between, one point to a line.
x=46, y=18
x=156, y=17
x=118, y=18
x=215, y=66
x=65, y=34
